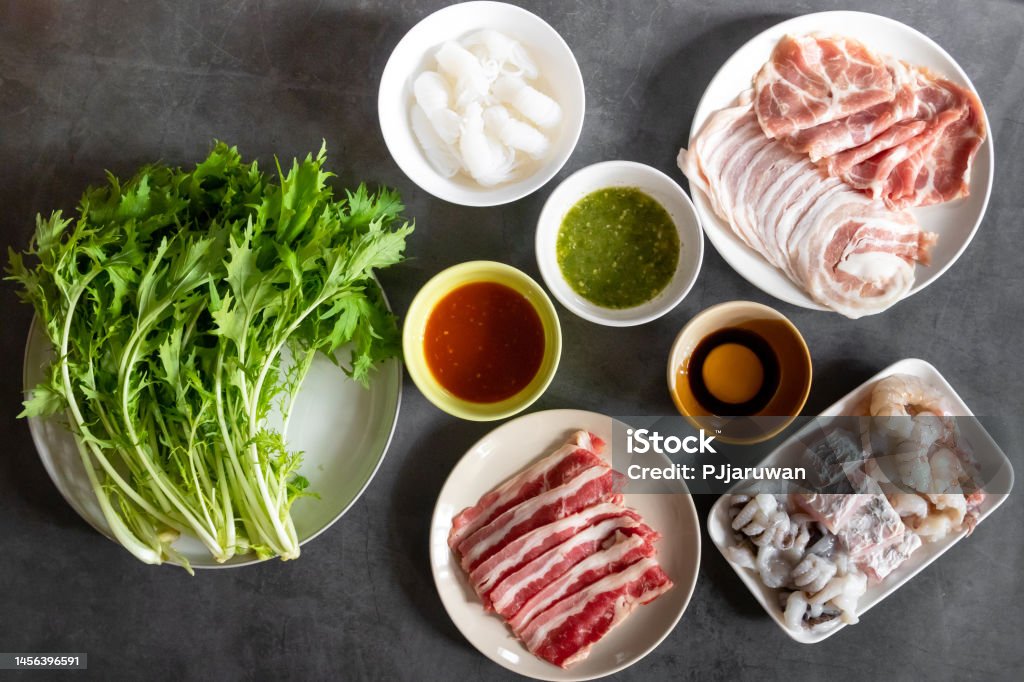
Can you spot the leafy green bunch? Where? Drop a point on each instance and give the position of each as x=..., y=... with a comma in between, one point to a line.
x=184, y=306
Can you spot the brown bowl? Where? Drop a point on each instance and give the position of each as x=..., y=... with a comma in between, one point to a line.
x=794, y=360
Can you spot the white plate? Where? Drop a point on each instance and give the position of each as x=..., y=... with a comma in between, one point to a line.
x=955, y=222
x=504, y=452
x=343, y=429
x=990, y=458
x=621, y=174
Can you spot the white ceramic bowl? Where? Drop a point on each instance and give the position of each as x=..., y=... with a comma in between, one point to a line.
x=560, y=78
x=621, y=174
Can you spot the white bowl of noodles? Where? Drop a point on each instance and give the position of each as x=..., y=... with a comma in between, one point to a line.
x=559, y=76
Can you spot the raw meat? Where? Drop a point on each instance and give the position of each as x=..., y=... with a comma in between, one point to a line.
x=552, y=471
x=860, y=127
x=511, y=593
x=884, y=559
x=873, y=525
x=591, y=486
x=943, y=170
x=565, y=632
x=907, y=137
x=848, y=253
x=813, y=79
x=624, y=551
x=524, y=549
x=553, y=545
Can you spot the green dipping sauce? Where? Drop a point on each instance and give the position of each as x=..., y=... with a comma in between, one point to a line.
x=617, y=247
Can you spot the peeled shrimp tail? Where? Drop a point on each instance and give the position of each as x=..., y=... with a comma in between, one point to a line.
x=904, y=395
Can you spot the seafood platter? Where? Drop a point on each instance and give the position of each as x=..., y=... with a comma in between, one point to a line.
x=245, y=381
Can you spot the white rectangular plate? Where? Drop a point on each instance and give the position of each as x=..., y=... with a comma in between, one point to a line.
x=990, y=458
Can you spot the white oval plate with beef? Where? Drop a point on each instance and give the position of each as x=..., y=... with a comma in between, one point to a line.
x=504, y=452
x=955, y=222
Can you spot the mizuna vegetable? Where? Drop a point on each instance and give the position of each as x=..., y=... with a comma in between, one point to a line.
x=184, y=306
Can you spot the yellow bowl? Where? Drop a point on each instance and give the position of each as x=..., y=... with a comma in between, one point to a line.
x=416, y=322
x=794, y=368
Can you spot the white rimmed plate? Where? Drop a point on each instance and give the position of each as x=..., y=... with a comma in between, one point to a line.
x=343, y=429
x=955, y=222
x=499, y=455
x=990, y=458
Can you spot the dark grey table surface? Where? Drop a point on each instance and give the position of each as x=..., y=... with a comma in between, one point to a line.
x=93, y=85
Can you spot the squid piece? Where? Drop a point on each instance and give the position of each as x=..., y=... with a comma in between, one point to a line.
x=508, y=55
x=439, y=153
x=528, y=101
x=462, y=66
x=431, y=93
x=486, y=159
x=515, y=133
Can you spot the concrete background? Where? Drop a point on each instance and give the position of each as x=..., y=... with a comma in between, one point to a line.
x=93, y=85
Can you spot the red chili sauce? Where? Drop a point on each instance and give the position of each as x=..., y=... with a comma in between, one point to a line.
x=484, y=342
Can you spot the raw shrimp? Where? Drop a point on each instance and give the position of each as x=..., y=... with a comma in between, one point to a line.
x=515, y=133
x=431, y=93
x=911, y=457
x=909, y=504
x=903, y=395
x=913, y=416
x=528, y=101
x=471, y=82
x=487, y=160
x=946, y=471
x=440, y=154
x=507, y=54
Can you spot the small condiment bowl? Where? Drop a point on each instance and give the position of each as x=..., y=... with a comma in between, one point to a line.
x=415, y=325
x=795, y=371
x=655, y=184
x=560, y=78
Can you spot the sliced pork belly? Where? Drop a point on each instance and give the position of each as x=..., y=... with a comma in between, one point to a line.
x=526, y=548
x=847, y=252
x=552, y=471
x=508, y=596
x=813, y=79
x=590, y=486
x=564, y=633
x=623, y=551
